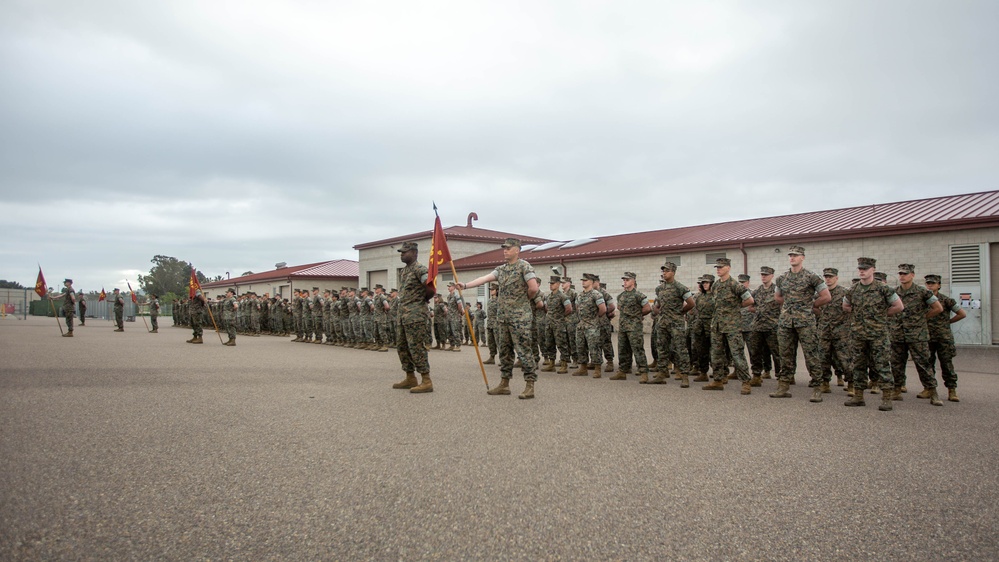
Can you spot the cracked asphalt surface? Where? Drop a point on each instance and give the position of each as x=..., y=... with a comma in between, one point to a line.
x=138, y=446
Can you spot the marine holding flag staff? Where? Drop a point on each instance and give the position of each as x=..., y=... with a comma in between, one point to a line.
x=518, y=285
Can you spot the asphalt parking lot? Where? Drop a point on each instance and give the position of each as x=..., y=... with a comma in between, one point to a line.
x=128, y=446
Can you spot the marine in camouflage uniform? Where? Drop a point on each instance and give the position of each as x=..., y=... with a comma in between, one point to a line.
x=870, y=303
x=700, y=328
x=347, y=335
x=910, y=335
x=492, y=310
x=296, y=315
x=228, y=310
x=763, y=338
x=518, y=286
x=196, y=311
x=591, y=306
x=455, y=318
x=393, y=315
x=571, y=322
x=154, y=313
x=381, y=319
x=726, y=333
x=606, y=328
x=119, y=312
x=413, y=315
x=479, y=322
x=69, y=302
x=441, y=325
x=633, y=306
x=557, y=307
x=354, y=318
x=800, y=292
x=942, y=337
x=834, y=333
x=368, y=319
x=673, y=301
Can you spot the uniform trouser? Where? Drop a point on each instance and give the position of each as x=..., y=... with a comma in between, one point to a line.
x=589, y=341
x=119, y=318
x=570, y=337
x=320, y=326
x=368, y=325
x=732, y=342
x=83, y=316
x=255, y=323
x=492, y=340
x=835, y=352
x=920, y=352
x=763, y=346
x=556, y=340
x=479, y=332
x=605, y=340
x=441, y=332
x=356, y=330
x=672, y=340
x=69, y=320
x=653, y=341
x=412, y=349
x=297, y=323
x=945, y=350
x=154, y=321
x=536, y=339
x=874, y=357
x=515, y=341
x=788, y=339
x=631, y=341
x=455, y=335
x=196, y=325
x=700, y=347
x=382, y=335
x=230, y=327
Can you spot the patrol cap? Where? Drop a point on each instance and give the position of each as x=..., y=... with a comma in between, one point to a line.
x=494, y=286
x=603, y=285
x=668, y=266
x=510, y=242
x=315, y=288
x=116, y=289
x=364, y=289
x=906, y=268
x=830, y=271
x=743, y=277
x=708, y=277
x=407, y=246
x=880, y=276
x=590, y=277
x=70, y=281
x=766, y=270
x=630, y=275
x=866, y=263
x=554, y=279
x=566, y=279
x=231, y=290
x=379, y=287
x=722, y=262
x=796, y=251
x=450, y=284
x=933, y=278
x=596, y=277
x=393, y=290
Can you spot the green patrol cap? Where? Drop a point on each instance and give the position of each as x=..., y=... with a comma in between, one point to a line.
x=629, y=275
x=708, y=277
x=866, y=263
x=722, y=262
x=510, y=242
x=796, y=251
x=668, y=266
x=933, y=278
x=554, y=279
x=407, y=246
x=743, y=277
x=765, y=270
x=906, y=268
x=830, y=271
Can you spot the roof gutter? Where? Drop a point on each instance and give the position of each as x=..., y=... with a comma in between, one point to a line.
x=745, y=258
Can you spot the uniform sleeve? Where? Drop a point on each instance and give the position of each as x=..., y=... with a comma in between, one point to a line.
x=818, y=283
x=529, y=272
x=599, y=300
x=928, y=297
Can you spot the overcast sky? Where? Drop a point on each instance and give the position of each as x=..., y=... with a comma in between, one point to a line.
x=239, y=134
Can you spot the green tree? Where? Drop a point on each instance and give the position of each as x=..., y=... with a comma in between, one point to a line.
x=4, y=284
x=168, y=275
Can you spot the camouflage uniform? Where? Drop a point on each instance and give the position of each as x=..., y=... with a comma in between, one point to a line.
x=367, y=317
x=942, y=340
x=411, y=333
x=763, y=339
x=631, y=333
x=910, y=336
x=455, y=318
x=797, y=324
x=441, y=324
x=834, y=337
x=119, y=313
x=588, y=335
x=700, y=332
x=381, y=318
x=154, y=313
x=68, y=310
x=870, y=349
x=229, y=317
x=671, y=330
x=514, y=318
x=196, y=309
x=726, y=332
x=296, y=315
x=492, y=309
x=555, y=335
x=479, y=321
x=571, y=323
x=604, y=322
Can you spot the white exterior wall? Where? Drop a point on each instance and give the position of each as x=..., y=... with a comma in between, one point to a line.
x=386, y=258
x=281, y=285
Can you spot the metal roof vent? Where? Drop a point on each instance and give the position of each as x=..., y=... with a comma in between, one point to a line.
x=579, y=242
x=280, y=264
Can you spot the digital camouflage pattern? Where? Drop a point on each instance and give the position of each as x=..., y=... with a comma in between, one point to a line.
x=870, y=303
x=798, y=290
x=412, y=327
x=727, y=297
x=910, y=325
x=588, y=335
x=834, y=337
x=514, y=318
x=555, y=336
x=942, y=340
x=630, y=337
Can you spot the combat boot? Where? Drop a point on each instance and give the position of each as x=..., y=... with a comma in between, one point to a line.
x=581, y=371
x=596, y=370
x=732, y=376
x=643, y=378
x=426, y=385
x=677, y=374
x=886, y=400
x=619, y=376
x=839, y=380
x=528, y=391
x=816, y=394
x=438, y=346
x=68, y=334
x=502, y=389
x=456, y=348
x=198, y=340
x=746, y=388
x=548, y=367
x=766, y=375
x=934, y=399
x=756, y=381
x=952, y=395
x=701, y=377
x=655, y=363
x=563, y=368
x=318, y=340
x=903, y=390
x=714, y=385
x=825, y=387
x=783, y=390
x=408, y=382
x=660, y=378
x=896, y=395
x=684, y=381
x=231, y=342
x=925, y=393
x=849, y=388
x=154, y=331
x=874, y=390
x=192, y=339
x=383, y=348
x=856, y=399
x=490, y=361
x=609, y=368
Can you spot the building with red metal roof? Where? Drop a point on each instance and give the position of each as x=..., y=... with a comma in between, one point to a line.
x=283, y=280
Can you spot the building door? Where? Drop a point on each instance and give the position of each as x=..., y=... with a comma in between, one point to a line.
x=970, y=288
x=994, y=286
x=379, y=277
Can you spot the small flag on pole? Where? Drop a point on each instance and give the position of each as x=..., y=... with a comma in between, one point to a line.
x=134, y=300
x=439, y=254
x=40, y=286
x=193, y=285
x=103, y=296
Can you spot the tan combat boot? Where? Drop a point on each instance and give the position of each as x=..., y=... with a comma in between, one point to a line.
x=502, y=389
x=660, y=378
x=746, y=388
x=198, y=340
x=563, y=367
x=426, y=385
x=231, y=342
x=849, y=387
x=874, y=390
x=619, y=376
x=816, y=394
x=825, y=388
x=596, y=370
x=383, y=348
x=610, y=367
x=766, y=375
x=783, y=390
x=714, y=385
x=408, y=382
x=701, y=377
x=684, y=381
x=490, y=361
x=924, y=394
x=528, y=391
x=856, y=399
x=154, y=331
x=952, y=395
x=549, y=367
x=934, y=399
x=655, y=363
x=756, y=381
x=643, y=378
x=581, y=371
x=886, y=400
x=896, y=395
x=839, y=380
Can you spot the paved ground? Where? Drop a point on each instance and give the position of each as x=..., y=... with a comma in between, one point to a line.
x=139, y=446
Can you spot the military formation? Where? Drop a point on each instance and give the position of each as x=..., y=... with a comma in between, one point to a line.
x=863, y=334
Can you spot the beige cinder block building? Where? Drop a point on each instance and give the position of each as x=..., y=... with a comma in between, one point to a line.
x=281, y=281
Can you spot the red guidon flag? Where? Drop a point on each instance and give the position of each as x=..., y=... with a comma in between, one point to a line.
x=134, y=300
x=439, y=254
x=40, y=286
x=193, y=285
x=103, y=296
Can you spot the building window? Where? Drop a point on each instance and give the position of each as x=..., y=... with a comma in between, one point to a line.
x=711, y=258
x=674, y=259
